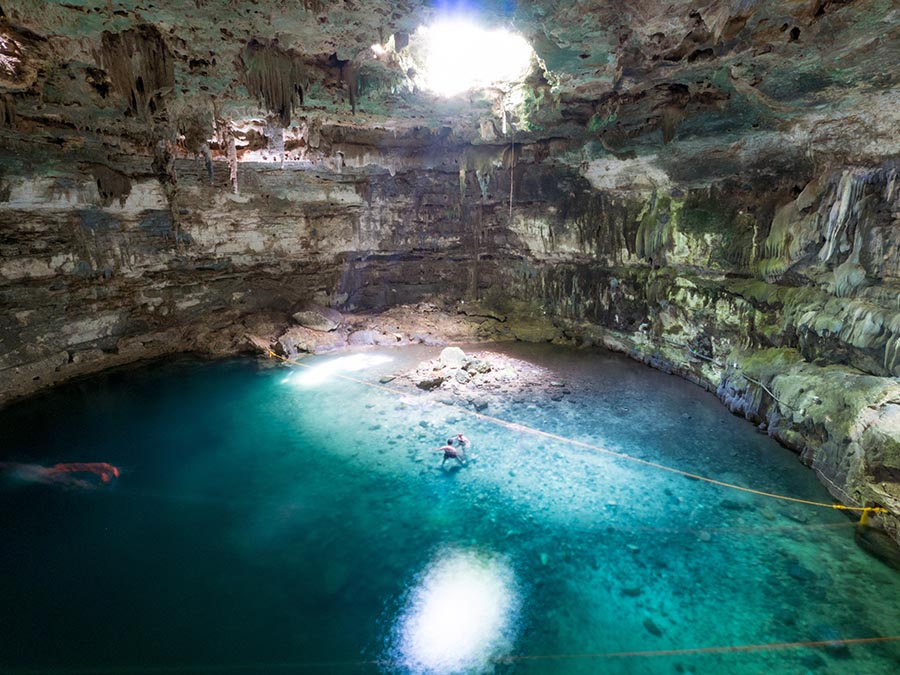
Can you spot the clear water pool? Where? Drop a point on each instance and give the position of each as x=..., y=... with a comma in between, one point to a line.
x=261, y=524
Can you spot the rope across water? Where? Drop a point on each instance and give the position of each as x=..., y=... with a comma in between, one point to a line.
x=522, y=428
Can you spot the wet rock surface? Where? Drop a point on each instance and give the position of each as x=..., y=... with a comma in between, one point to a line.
x=483, y=380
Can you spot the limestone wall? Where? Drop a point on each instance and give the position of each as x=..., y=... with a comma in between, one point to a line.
x=789, y=309
x=106, y=259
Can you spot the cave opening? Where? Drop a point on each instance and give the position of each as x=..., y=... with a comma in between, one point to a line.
x=456, y=55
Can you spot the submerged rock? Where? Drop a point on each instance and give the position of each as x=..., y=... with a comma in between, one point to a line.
x=651, y=627
x=832, y=639
x=430, y=383
x=878, y=544
x=801, y=573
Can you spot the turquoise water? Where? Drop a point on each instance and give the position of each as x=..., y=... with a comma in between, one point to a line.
x=263, y=524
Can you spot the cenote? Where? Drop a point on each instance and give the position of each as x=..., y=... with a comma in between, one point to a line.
x=263, y=522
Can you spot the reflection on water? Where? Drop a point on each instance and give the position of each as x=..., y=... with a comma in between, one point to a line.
x=309, y=375
x=460, y=615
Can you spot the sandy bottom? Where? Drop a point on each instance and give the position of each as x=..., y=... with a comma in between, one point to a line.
x=268, y=520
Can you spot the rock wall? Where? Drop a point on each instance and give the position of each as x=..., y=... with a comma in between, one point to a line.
x=786, y=304
x=109, y=257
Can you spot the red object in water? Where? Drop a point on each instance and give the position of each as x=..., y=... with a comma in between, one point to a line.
x=71, y=474
x=105, y=471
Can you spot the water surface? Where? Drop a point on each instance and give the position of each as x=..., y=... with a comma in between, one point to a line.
x=261, y=524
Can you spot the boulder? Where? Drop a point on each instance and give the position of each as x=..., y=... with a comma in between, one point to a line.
x=298, y=339
x=316, y=317
x=430, y=383
x=364, y=337
x=453, y=357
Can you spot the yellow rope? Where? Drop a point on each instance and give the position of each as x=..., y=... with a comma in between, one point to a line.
x=704, y=650
x=515, y=426
x=333, y=666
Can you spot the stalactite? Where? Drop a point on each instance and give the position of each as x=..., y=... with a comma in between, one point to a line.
x=225, y=137
x=351, y=74
x=850, y=275
x=509, y=159
x=164, y=162
x=654, y=232
x=140, y=67
x=275, y=76
x=834, y=225
x=207, y=159
x=111, y=184
x=164, y=167
x=796, y=230
x=484, y=179
x=670, y=118
x=7, y=111
x=232, y=157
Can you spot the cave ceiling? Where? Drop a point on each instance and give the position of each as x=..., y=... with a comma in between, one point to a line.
x=634, y=94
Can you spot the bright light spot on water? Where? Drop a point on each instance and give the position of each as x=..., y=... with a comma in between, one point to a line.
x=322, y=372
x=462, y=56
x=460, y=617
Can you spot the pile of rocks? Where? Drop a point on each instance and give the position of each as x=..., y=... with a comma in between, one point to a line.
x=453, y=366
x=479, y=379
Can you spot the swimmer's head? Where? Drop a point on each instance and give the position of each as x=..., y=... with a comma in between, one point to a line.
x=449, y=441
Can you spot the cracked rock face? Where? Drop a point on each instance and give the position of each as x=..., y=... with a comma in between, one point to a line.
x=709, y=186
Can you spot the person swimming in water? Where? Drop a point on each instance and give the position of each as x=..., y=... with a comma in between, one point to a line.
x=451, y=453
x=82, y=475
x=463, y=444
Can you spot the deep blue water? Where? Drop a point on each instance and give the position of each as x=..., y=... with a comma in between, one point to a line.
x=263, y=525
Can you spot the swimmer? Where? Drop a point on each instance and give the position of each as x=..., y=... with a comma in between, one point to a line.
x=451, y=453
x=106, y=472
x=463, y=444
x=73, y=474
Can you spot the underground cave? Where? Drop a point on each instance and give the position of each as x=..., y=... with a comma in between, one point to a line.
x=261, y=262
